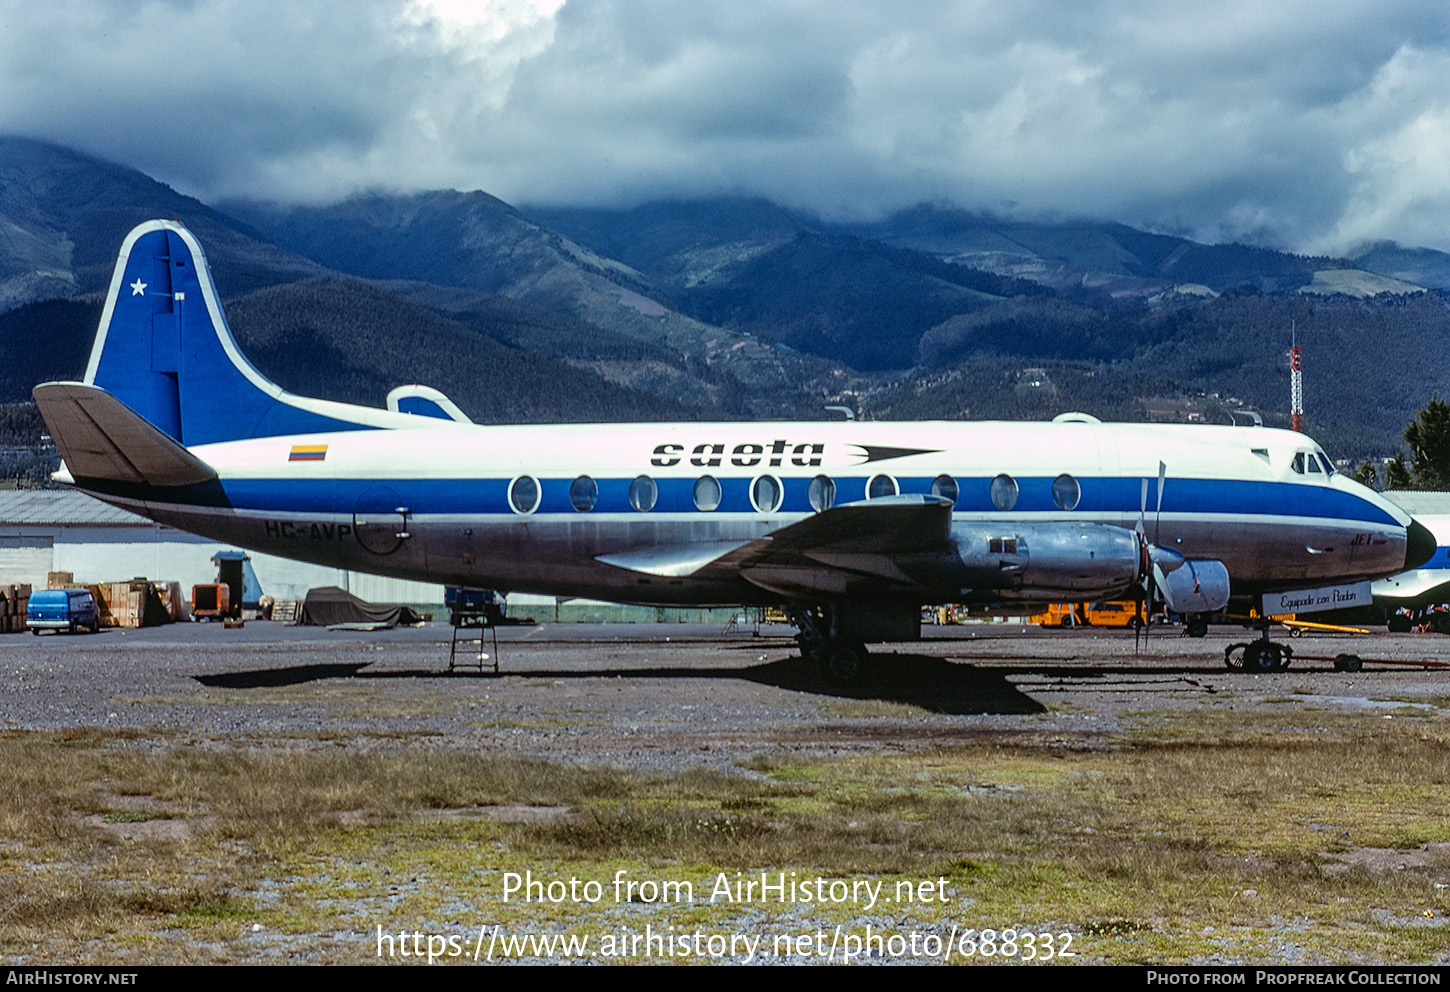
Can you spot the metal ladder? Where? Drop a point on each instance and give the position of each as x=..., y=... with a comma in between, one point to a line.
x=479, y=660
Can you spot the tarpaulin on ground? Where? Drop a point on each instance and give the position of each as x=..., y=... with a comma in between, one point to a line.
x=330, y=605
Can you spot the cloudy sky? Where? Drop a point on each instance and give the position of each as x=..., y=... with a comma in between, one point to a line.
x=1308, y=125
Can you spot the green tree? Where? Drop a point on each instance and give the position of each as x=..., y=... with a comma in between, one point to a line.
x=1397, y=476
x=1429, y=439
x=1366, y=475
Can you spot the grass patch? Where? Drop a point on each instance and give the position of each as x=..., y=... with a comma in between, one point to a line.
x=1192, y=840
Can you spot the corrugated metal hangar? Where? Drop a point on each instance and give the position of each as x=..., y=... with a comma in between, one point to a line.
x=55, y=530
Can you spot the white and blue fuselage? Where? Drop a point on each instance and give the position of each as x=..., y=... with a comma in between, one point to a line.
x=172, y=422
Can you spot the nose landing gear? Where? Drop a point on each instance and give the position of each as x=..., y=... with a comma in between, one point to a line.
x=1259, y=656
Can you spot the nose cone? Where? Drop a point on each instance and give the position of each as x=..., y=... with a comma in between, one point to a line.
x=1419, y=545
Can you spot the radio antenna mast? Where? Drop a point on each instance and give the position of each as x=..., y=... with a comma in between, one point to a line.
x=1296, y=381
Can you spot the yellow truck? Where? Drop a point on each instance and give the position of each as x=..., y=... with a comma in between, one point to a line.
x=1114, y=614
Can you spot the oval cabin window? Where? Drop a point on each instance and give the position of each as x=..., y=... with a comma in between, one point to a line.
x=1066, y=492
x=643, y=493
x=524, y=494
x=583, y=494
x=766, y=494
x=821, y=493
x=945, y=487
x=881, y=485
x=707, y=493
x=1004, y=492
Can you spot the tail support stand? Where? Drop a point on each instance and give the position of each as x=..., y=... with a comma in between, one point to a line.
x=464, y=623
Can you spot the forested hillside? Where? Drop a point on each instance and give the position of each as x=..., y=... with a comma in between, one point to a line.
x=739, y=308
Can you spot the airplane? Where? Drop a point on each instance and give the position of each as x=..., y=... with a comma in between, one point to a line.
x=1416, y=596
x=851, y=526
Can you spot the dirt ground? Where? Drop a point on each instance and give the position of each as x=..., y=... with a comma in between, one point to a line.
x=680, y=700
x=659, y=695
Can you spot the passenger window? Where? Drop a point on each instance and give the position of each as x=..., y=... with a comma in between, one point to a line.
x=583, y=494
x=1004, y=492
x=879, y=486
x=524, y=494
x=643, y=493
x=1066, y=492
x=707, y=493
x=945, y=487
x=766, y=494
x=821, y=493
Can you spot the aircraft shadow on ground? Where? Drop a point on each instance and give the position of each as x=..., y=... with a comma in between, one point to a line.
x=930, y=683
x=939, y=685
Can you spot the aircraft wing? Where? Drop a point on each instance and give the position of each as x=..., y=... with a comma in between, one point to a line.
x=834, y=552
x=1416, y=587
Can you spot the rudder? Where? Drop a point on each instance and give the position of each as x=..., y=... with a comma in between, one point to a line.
x=164, y=349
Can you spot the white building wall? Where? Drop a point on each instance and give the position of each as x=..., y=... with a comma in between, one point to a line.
x=109, y=554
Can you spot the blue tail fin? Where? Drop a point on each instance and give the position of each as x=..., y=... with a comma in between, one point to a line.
x=164, y=350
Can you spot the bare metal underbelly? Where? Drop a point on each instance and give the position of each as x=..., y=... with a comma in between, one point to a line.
x=557, y=555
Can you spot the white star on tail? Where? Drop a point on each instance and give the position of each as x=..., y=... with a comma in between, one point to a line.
x=138, y=288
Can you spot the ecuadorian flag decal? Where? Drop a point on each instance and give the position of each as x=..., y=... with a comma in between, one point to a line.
x=308, y=453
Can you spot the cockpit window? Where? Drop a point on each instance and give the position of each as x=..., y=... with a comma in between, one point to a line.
x=1313, y=462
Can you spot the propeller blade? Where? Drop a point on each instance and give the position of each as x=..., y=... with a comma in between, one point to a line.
x=1158, y=514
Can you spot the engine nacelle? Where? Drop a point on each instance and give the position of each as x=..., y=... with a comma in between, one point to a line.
x=1049, y=562
x=1189, y=586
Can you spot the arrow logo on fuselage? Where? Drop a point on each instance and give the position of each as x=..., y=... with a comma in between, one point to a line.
x=881, y=453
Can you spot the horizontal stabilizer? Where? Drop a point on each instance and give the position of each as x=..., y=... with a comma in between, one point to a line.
x=101, y=438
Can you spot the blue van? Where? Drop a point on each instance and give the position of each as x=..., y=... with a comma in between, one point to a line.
x=62, y=609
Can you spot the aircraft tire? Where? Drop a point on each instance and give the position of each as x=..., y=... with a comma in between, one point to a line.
x=1196, y=627
x=1347, y=663
x=1264, y=656
x=845, y=663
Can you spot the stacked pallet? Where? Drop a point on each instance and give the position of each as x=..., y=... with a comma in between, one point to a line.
x=134, y=603
x=13, y=600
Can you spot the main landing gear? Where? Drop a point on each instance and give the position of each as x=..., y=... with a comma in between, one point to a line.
x=837, y=657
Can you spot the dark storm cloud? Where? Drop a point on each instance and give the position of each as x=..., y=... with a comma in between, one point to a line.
x=1305, y=125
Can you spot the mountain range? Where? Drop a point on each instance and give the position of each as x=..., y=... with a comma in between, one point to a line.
x=735, y=307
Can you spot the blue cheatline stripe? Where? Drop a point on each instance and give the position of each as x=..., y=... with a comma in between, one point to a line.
x=1099, y=496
